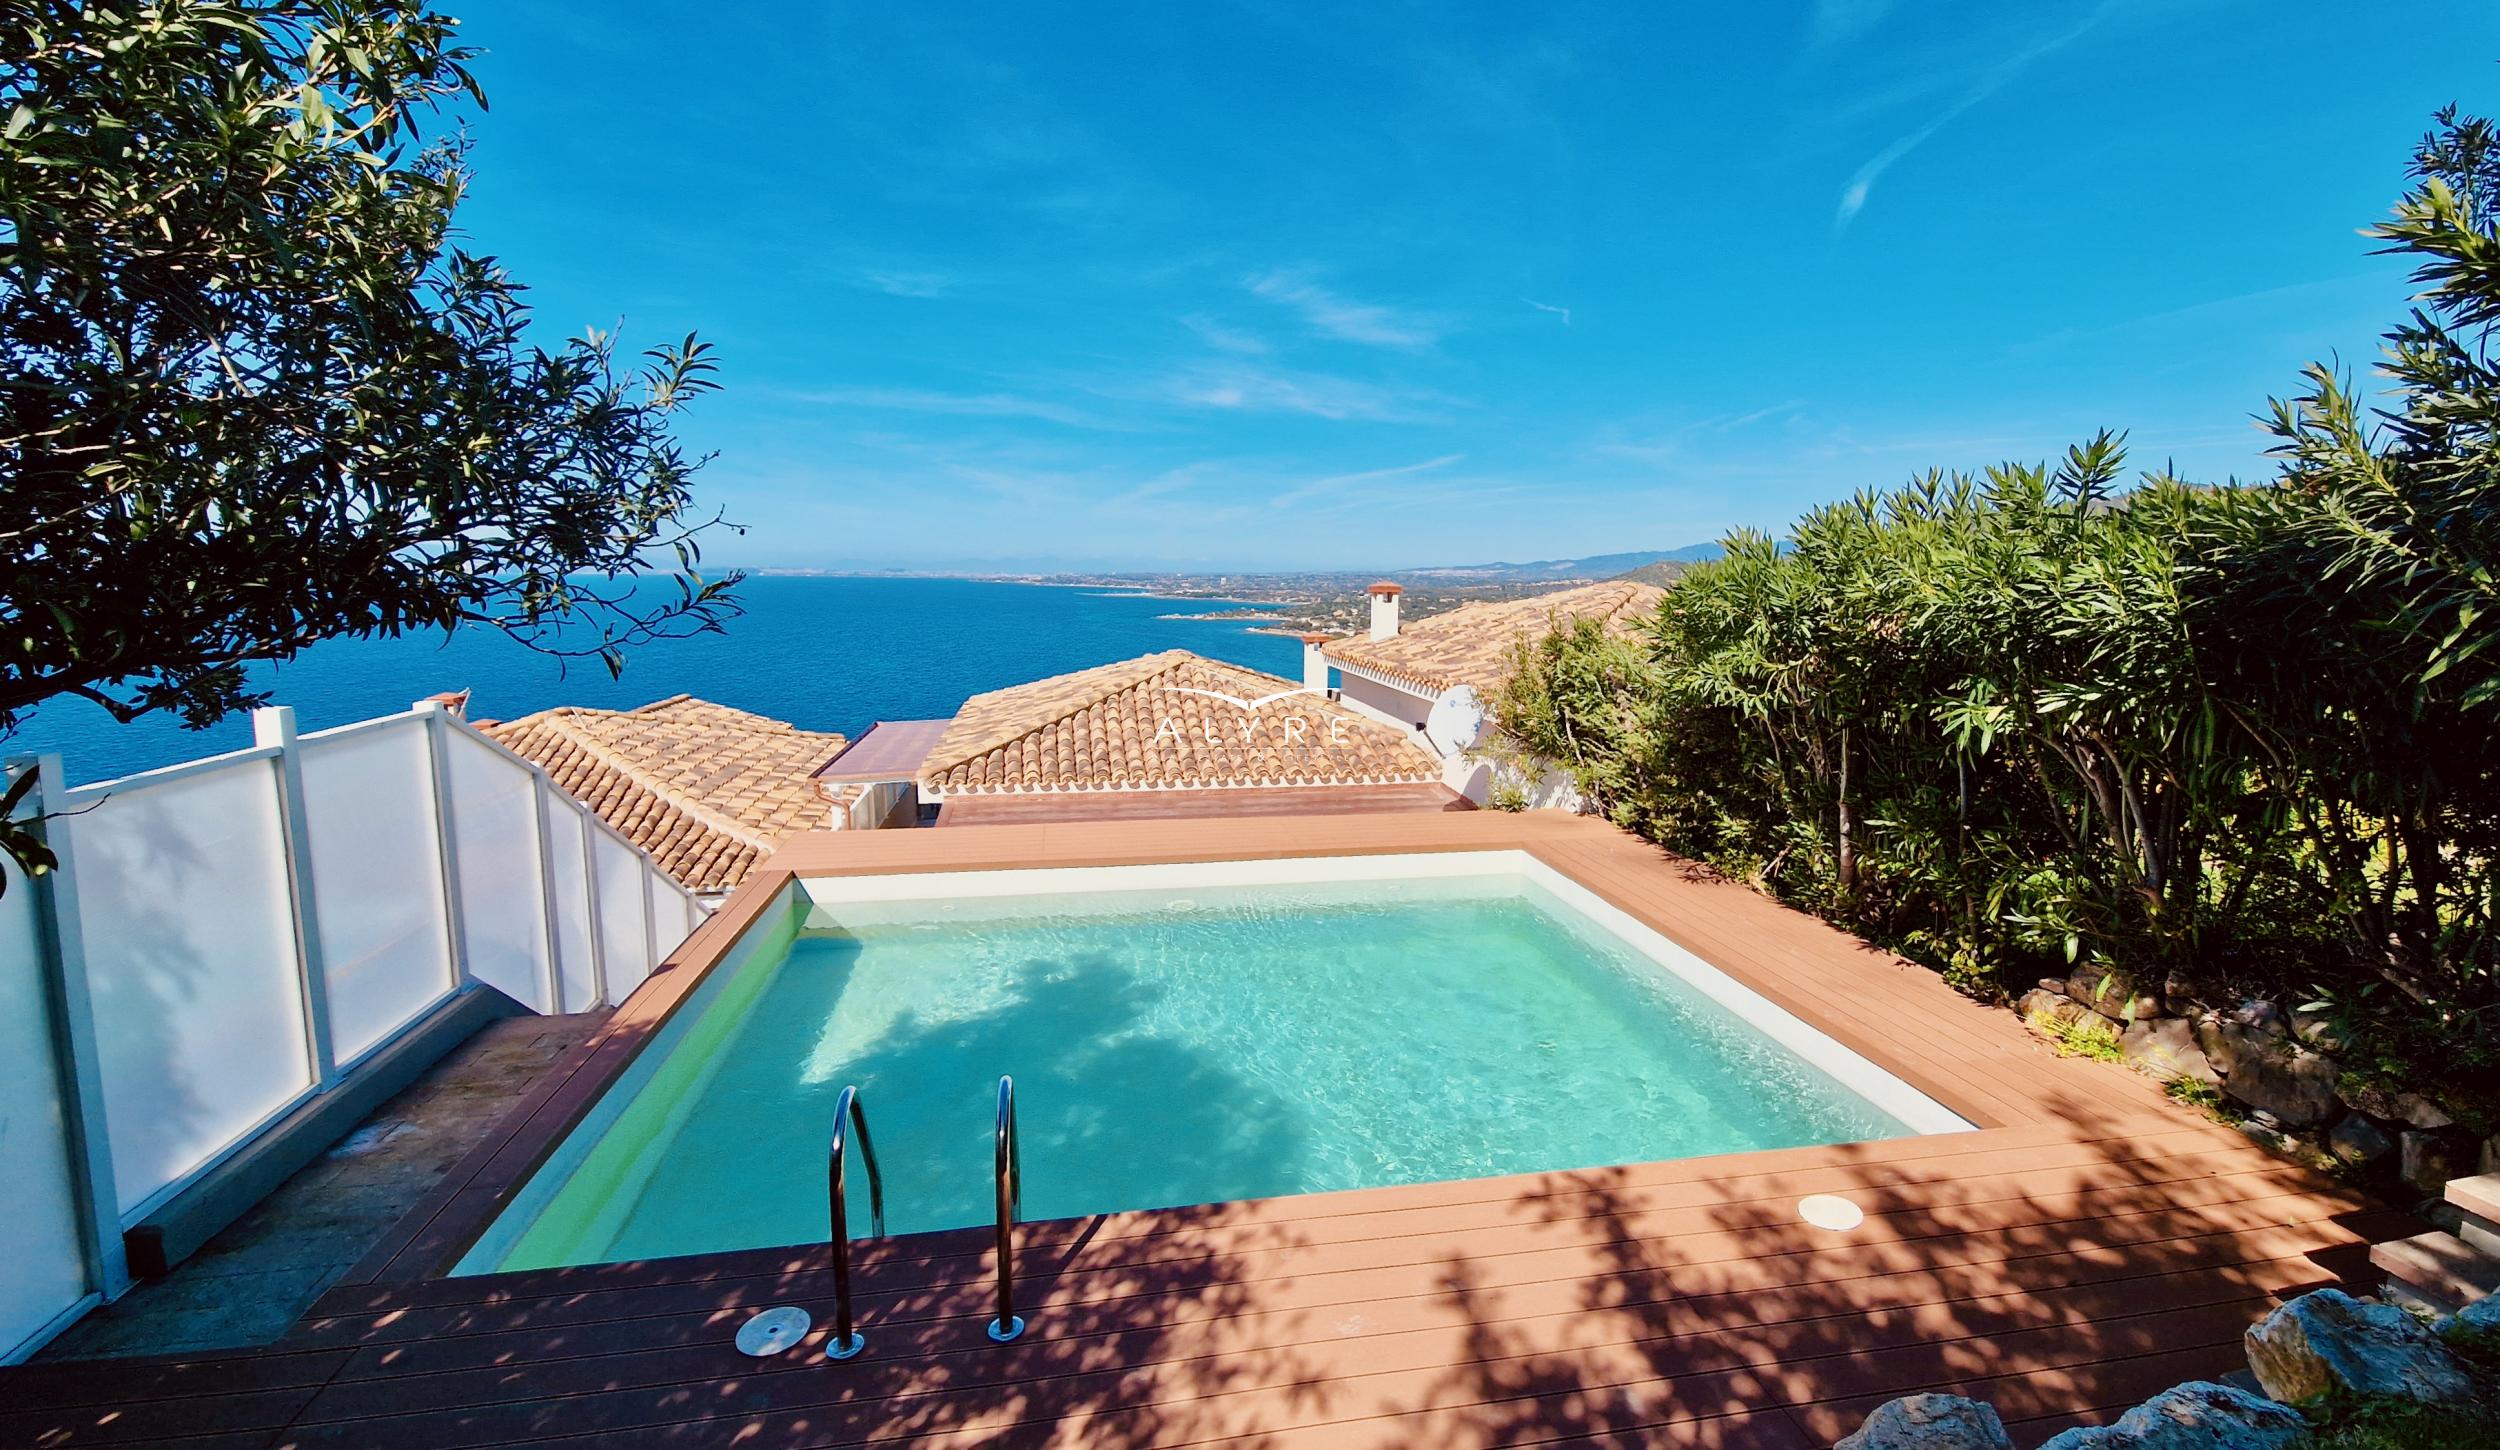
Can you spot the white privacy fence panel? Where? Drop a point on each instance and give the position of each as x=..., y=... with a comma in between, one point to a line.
x=183, y=894
x=47, y=1275
x=568, y=866
x=625, y=953
x=502, y=885
x=226, y=939
x=376, y=850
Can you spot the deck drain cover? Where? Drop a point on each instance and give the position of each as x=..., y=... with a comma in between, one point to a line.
x=1828, y=1210
x=773, y=1331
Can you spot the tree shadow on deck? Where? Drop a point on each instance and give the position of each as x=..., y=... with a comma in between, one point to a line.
x=2061, y=1279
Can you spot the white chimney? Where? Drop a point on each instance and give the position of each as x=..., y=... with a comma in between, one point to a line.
x=1385, y=610
x=1314, y=664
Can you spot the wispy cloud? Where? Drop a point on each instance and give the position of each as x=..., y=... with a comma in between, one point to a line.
x=1562, y=312
x=1837, y=22
x=1344, y=317
x=1222, y=338
x=1861, y=185
x=1337, y=483
x=1248, y=388
x=966, y=405
x=905, y=283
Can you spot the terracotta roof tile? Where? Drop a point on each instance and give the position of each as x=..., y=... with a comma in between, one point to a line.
x=1157, y=722
x=1472, y=644
x=706, y=789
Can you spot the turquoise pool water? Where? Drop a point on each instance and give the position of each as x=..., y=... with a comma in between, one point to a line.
x=1170, y=1047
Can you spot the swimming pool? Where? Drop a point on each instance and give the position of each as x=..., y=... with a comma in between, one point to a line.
x=1180, y=1035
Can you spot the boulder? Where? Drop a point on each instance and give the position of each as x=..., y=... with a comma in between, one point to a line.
x=2043, y=1006
x=2327, y=1341
x=2317, y=1027
x=2166, y=1048
x=2112, y=992
x=2358, y=1140
x=2490, y=1156
x=1930, y=1422
x=2266, y=1070
x=2199, y=1415
x=2430, y=1159
x=2411, y=1109
x=2482, y=1317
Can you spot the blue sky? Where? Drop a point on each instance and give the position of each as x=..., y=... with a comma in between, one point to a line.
x=1369, y=286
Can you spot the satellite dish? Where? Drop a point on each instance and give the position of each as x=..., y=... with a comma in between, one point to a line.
x=1457, y=720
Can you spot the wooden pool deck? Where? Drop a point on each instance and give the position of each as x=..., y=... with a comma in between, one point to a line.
x=2090, y=1245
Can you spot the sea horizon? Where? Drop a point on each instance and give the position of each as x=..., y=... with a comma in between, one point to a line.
x=834, y=652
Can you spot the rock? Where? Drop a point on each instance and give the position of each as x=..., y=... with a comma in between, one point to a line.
x=2327, y=1341
x=2199, y=1415
x=2293, y=1083
x=2166, y=1048
x=2430, y=1159
x=2266, y=1070
x=2411, y=1109
x=2478, y=1318
x=2112, y=992
x=2491, y=1155
x=2258, y=1016
x=2178, y=991
x=1930, y=1422
x=2044, y=1005
x=2358, y=1140
x=2318, y=1028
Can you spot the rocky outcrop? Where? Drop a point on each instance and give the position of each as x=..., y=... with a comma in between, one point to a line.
x=2042, y=1006
x=2327, y=1341
x=2113, y=992
x=2411, y=1109
x=2479, y=1318
x=2357, y=1140
x=2166, y=1048
x=1930, y=1422
x=2429, y=1159
x=2195, y=1416
x=2265, y=1069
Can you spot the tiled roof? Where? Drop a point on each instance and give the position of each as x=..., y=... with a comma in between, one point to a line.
x=1142, y=724
x=706, y=789
x=1472, y=644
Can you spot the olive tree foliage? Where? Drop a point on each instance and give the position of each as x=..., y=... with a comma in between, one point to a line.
x=258, y=396
x=2024, y=721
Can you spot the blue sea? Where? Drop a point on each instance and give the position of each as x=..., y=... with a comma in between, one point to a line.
x=822, y=653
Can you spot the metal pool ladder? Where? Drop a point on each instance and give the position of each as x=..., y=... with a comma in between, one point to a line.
x=1006, y=1326
x=846, y=1342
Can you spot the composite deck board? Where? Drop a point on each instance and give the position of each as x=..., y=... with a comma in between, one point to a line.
x=2089, y=1245
x=444, y=1348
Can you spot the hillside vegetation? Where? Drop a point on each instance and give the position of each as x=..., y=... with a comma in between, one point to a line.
x=2006, y=723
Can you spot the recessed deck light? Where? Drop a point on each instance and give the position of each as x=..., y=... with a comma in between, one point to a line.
x=771, y=1331
x=1830, y=1211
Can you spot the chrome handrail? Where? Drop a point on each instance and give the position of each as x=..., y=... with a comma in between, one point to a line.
x=847, y=1113
x=1010, y=1205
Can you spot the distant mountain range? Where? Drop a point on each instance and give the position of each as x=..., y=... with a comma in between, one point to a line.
x=1594, y=566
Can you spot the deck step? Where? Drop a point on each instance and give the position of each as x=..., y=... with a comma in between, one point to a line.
x=2438, y=1269
x=2478, y=1199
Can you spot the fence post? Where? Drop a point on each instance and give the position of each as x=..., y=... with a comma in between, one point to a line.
x=437, y=723
x=274, y=725
x=547, y=906
x=64, y=947
x=590, y=900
